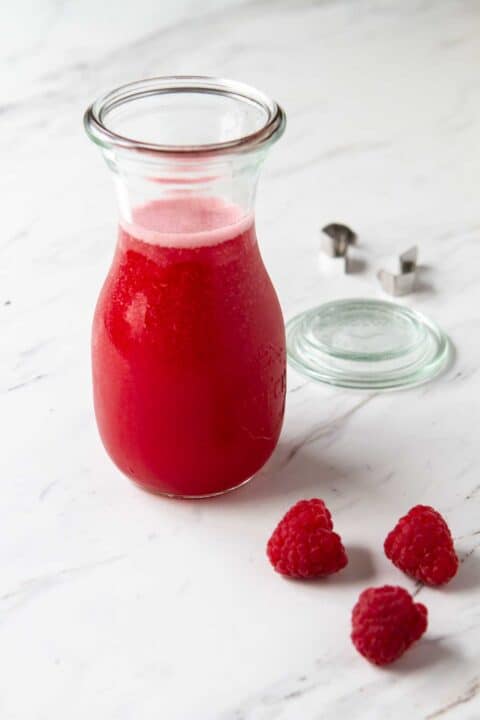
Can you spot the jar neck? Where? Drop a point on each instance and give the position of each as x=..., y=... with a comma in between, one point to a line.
x=185, y=137
x=141, y=181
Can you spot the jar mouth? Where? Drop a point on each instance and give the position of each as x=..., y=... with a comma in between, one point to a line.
x=186, y=115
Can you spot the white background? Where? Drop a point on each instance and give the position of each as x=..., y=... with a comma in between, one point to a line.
x=116, y=605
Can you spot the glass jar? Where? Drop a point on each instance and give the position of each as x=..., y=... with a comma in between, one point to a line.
x=188, y=344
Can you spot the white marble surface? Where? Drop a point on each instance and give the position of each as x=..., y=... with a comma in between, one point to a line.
x=116, y=605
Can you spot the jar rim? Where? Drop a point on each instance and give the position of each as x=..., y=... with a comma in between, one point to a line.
x=98, y=130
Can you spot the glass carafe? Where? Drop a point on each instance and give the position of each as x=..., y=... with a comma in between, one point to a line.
x=188, y=344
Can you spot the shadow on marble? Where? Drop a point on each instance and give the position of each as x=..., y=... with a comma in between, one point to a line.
x=310, y=477
x=424, y=655
x=467, y=577
x=360, y=568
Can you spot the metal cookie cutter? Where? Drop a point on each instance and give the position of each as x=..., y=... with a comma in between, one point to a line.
x=404, y=282
x=336, y=239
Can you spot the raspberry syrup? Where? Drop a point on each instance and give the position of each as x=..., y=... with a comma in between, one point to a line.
x=188, y=349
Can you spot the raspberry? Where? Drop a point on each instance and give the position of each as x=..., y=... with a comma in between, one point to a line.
x=310, y=514
x=385, y=622
x=303, y=545
x=421, y=545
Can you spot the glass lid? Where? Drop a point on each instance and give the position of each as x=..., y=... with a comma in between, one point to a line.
x=370, y=344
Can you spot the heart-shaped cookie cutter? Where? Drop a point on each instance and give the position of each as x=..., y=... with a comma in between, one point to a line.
x=403, y=282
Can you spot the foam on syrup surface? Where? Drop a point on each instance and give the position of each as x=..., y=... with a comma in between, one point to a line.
x=186, y=222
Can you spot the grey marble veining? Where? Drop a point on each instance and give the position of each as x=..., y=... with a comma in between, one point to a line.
x=120, y=606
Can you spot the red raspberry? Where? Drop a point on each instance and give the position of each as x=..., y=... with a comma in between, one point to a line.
x=421, y=545
x=310, y=514
x=385, y=622
x=303, y=544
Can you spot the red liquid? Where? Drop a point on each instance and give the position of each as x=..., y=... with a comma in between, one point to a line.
x=188, y=350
